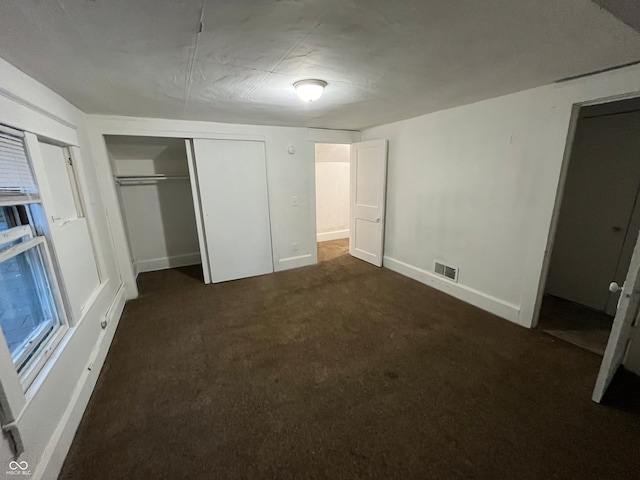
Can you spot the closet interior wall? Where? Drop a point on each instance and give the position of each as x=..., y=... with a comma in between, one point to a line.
x=152, y=179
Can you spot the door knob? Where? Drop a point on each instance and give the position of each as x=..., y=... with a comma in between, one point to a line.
x=614, y=287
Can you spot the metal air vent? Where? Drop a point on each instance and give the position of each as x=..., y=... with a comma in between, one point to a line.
x=446, y=271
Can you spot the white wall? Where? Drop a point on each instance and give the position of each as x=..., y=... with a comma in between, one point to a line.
x=476, y=186
x=289, y=175
x=332, y=191
x=55, y=402
x=159, y=217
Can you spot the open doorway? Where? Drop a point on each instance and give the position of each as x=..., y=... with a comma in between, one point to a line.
x=332, y=163
x=598, y=224
x=154, y=190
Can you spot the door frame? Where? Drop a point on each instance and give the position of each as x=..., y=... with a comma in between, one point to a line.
x=553, y=227
x=315, y=185
x=334, y=137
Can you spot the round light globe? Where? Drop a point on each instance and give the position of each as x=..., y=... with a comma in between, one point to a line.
x=309, y=90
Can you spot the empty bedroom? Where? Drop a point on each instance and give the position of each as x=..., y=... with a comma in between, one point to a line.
x=331, y=240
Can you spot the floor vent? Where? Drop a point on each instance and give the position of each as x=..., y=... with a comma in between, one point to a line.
x=446, y=271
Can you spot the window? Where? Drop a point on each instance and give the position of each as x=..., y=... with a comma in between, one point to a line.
x=68, y=227
x=30, y=309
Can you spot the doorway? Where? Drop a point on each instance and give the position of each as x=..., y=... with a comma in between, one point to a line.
x=598, y=224
x=332, y=166
x=154, y=190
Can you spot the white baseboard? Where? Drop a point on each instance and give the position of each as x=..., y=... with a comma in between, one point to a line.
x=324, y=237
x=469, y=295
x=53, y=458
x=167, y=262
x=294, y=262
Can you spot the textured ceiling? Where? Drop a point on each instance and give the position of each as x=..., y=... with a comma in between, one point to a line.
x=384, y=60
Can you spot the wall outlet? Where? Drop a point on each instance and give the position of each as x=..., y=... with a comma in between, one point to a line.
x=295, y=246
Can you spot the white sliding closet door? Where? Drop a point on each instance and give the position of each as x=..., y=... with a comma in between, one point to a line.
x=232, y=180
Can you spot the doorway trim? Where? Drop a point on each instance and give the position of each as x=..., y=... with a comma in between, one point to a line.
x=335, y=137
x=335, y=234
x=553, y=227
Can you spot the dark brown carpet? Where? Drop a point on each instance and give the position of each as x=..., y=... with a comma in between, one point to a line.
x=341, y=371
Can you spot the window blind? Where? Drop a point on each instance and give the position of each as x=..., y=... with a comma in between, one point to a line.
x=17, y=184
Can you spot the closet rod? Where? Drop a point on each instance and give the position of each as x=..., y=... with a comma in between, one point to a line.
x=147, y=179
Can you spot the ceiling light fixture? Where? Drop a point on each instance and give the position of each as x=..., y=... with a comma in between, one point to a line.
x=309, y=90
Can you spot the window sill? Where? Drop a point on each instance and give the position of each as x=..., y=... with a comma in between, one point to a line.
x=58, y=343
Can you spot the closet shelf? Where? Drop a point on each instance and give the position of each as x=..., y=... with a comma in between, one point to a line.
x=147, y=179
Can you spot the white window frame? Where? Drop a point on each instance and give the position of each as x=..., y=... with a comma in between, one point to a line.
x=27, y=364
x=52, y=227
x=18, y=391
x=84, y=197
x=74, y=183
x=35, y=354
x=72, y=176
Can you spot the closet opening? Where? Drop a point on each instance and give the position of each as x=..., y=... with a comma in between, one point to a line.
x=154, y=190
x=332, y=162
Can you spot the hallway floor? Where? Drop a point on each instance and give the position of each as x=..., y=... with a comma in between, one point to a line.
x=332, y=250
x=576, y=324
x=342, y=371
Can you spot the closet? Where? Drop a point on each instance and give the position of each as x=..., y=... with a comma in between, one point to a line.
x=191, y=201
x=154, y=189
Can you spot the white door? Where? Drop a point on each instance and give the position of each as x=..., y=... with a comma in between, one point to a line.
x=623, y=324
x=232, y=181
x=368, y=191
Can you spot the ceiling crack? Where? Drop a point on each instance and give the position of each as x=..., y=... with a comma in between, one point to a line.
x=192, y=60
x=282, y=58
